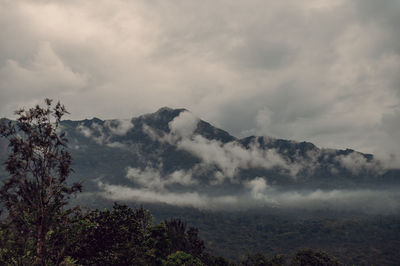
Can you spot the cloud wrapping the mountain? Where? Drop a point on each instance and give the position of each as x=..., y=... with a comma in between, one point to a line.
x=103, y=134
x=362, y=200
x=152, y=184
x=94, y=132
x=184, y=125
x=186, y=199
x=119, y=126
x=356, y=162
x=259, y=195
x=151, y=178
x=228, y=157
x=257, y=186
x=231, y=157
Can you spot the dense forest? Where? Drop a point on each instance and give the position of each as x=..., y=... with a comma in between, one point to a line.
x=353, y=238
x=126, y=236
x=357, y=239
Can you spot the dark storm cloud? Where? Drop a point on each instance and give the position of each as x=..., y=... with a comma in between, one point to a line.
x=316, y=70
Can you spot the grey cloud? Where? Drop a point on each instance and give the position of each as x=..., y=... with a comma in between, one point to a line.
x=261, y=54
x=383, y=202
x=321, y=71
x=44, y=73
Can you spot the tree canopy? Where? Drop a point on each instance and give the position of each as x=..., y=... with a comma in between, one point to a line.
x=36, y=192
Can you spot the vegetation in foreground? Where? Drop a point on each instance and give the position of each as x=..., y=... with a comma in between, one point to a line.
x=37, y=227
x=126, y=236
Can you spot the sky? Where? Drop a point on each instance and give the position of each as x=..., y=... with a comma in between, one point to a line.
x=322, y=71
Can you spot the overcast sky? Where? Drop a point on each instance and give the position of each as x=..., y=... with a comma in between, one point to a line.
x=325, y=71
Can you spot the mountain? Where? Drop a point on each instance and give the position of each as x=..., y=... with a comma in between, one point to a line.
x=173, y=157
x=255, y=194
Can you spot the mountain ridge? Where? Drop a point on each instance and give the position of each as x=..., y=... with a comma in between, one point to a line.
x=171, y=154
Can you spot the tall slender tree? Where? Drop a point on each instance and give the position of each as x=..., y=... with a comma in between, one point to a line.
x=36, y=193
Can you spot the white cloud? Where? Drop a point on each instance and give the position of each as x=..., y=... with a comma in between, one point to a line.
x=184, y=125
x=258, y=187
x=228, y=157
x=102, y=134
x=119, y=126
x=151, y=178
x=379, y=201
x=116, y=144
x=87, y=132
x=356, y=162
x=186, y=199
x=95, y=132
x=182, y=177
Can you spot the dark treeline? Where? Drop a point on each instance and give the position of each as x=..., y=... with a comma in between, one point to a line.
x=126, y=236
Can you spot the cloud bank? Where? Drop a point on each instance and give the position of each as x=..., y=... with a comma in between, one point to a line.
x=258, y=195
x=151, y=184
x=227, y=157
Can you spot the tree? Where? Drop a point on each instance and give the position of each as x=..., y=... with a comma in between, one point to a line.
x=259, y=259
x=181, y=258
x=182, y=239
x=36, y=193
x=304, y=257
x=120, y=236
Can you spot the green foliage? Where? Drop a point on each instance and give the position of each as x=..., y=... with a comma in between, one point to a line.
x=309, y=257
x=352, y=238
x=209, y=259
x=68, y=261
x=126, y=236
x=182, y=239
x=120, y=236
x=36, y=192
x=160, y=243
x=181, y=258
x=259, y=259
x=16, y=250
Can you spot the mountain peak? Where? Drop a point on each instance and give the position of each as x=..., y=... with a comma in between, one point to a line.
x=165, y=113
x=168, y=110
